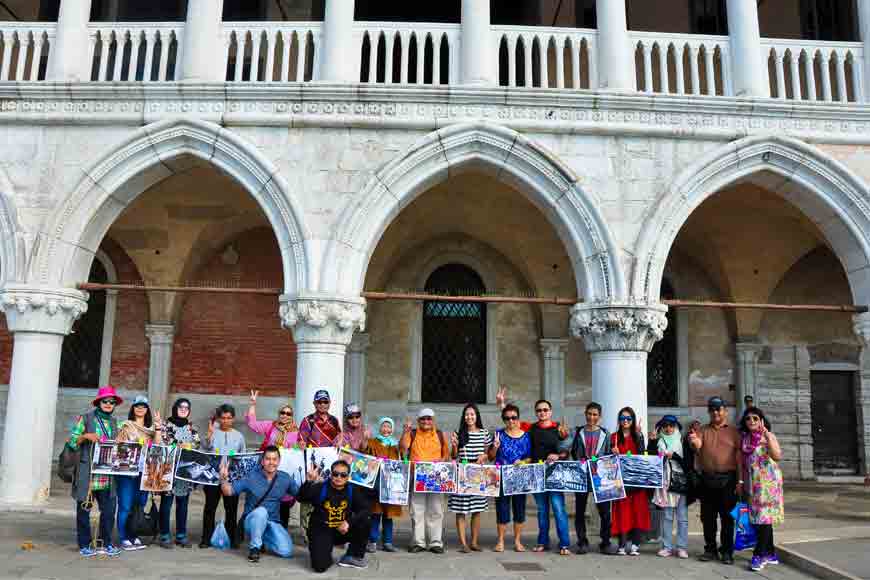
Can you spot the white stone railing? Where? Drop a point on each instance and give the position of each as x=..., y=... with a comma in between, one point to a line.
x=25, y=48
x=815, y=70
x=135, y=51
x=559, y=58
x=682, y=64
x=408, y=53
x=265, y=52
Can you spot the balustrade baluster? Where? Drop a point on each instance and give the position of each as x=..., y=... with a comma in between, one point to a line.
x=646, y=51
x=810, y=71
x=709, y=56
x=694, y=69
x=825, y=71
x=840, y=68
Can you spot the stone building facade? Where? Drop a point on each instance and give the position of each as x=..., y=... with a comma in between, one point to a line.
x=601, y=154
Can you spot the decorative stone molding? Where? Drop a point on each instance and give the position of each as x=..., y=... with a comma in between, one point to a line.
x=48, y=310
x=618, y=327
x=861, y=324
x=323, y=319
x=160, y=334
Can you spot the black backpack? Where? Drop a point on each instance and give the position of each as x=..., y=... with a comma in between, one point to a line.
x=68, y=460
x=141, y=523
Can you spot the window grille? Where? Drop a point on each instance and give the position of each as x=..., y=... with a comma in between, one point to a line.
x=82, y=348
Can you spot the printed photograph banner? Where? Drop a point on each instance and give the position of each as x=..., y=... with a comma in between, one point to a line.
x=243, y=464
x=481, y=480
x=198, y=467
x=322, y=458
x=566, y=476
x=523, y=478
x=112, y=458
x=435, y=477
x=606, y=478
x=363, y=468
x=395, y=482
x=293, y=464
x=158, y=468
x=642, y=471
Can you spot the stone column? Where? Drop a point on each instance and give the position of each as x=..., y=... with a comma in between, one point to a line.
x=68, y=59
x=355, y=369
x=108, y=336
x=478, y=65
x=747, y=373
x=202, y=48
x=162, y=337
x=864, y=29
x=862, y=331
x=553, y=388
x=748, y=65
x=322, y=328
x=616, y=69
x=619, y=337
x=38, y=318
x=338, y=62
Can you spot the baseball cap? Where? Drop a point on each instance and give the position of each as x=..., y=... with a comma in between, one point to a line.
x=426, y=412
x=352, y=409
x=715, y=403
x=322, y=395
x=140, y=400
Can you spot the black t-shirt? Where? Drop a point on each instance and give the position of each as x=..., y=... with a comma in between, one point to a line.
x=334, y=507
x=544, y=441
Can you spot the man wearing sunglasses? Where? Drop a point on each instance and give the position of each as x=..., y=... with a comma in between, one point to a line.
x=716, y=446
x=339, y=516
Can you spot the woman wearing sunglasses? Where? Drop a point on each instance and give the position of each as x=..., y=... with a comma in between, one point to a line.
x=282, y=433
x=177, y=430
x=511, y=446
x=630, y=516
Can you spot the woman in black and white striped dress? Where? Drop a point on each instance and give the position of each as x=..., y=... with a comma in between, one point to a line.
x=470, y=444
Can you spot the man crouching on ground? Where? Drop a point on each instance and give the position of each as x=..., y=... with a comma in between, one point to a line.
x=339, y=516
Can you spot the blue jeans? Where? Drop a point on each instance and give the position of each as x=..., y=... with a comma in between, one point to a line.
x=682, y=511
x=375, y=533
x=556, y=500
x=105, y=501
x=503, y=504
x=261, y=530
x=128, y=496
x=181, y=502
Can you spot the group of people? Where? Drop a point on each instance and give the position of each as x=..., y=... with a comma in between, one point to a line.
x=714, y=463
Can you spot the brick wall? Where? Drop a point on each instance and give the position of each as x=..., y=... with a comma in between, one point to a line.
x=229, y=343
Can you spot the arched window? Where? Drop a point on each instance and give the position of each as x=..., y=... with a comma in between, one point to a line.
x=454, y=339
x=82, y=349
x=662, y=389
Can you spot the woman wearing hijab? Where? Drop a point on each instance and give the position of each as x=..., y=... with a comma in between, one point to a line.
x=667, y=440
x=385, y=446
x=353, y=433
x=142, y=428
x=282, y=433
x=177, y=430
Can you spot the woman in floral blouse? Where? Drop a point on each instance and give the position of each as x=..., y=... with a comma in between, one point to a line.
x=177, y=430
x=761, y=480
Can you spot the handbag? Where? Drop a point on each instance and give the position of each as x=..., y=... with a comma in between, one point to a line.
x=141, y=523
x=678, y=481
x=745, y=536
x=67, y=462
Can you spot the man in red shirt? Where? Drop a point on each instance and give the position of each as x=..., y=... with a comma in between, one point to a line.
x=319, y=429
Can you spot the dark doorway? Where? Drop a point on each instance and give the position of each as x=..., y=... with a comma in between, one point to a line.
x=454, y=339
x=445, y=11
x=661, y=364
x=83, y=348
x=829, y=20
x=835, y=426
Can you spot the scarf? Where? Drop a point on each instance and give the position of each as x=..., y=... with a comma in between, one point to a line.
x=353, y=438
x=283, y=426
x=135, y=432
x=387, y=440
x=750, y=442
x=102, y=414
x=174, y=418
x=672, y=442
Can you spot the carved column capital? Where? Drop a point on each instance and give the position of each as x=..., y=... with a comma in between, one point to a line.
x=554, y=348
x=160, y=333
x=323, y=319
x=40, y=309
x=619, y=327
x=861, y=325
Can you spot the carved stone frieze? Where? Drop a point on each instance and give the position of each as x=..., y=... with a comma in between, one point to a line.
x=323, y=319
x=49, y=310
x=618, y=327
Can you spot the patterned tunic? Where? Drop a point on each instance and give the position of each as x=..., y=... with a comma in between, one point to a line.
x=513, y=449
x=106, y=429
x=765, y=479
x=185, y=437
x=478, y=441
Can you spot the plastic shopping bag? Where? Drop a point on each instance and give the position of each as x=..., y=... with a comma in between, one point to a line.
x=744, y=532
x=220, y=539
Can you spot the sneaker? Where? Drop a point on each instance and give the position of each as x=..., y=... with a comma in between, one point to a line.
x=583, y=549
x=416, y=549
x=728, y=559
x=109, y=550
x=634, y=551
x=708, y=556
x=348, y=561
x=608, y=549
x=138, y=545
x=166, y=543
x=771, y=559
x=203, y=545
x=128, y=546
x=682, y=554
x=388, y=548
x=621, y=551
x=437, y=549
x=87, y=552
x=183, y=543
x=664, y=553
x=254, y=555
x=371, y=547
x=757, y=564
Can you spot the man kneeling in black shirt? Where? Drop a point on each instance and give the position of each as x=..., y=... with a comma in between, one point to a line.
x=340, y=516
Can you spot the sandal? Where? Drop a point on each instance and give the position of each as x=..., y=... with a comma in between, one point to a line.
x=464, y=550
x=540, y=548
x=498, y=548
x=564, y=552
x=519, y=548
x=475, y=548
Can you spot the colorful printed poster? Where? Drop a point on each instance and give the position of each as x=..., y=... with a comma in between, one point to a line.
x=606, y=477
x=293, y=464
x=198, y=467
x=322, y=458
x=483, y=480
x=112, y=458
x=243, y=464
x=158, y=468
x=566, y=476
x=435, y=477
x=395, y=482
x=642, y=470
x=363, y=468
x=522, y=478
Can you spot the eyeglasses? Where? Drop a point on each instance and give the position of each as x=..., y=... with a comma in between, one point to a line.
x=425, y=419
x=341, y=474
x=716, y=410
x=287, y=413
x=753, y=419
x=510, y=418
x=542, y=410
x=112, y=402
x=625, y=418
x=354, y=416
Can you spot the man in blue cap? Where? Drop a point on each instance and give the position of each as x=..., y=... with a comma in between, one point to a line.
x=319, y=429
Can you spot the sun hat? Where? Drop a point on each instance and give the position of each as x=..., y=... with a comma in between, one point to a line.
x=426, y=412
x=669, y=420
x=352, y=409
x=105, y=393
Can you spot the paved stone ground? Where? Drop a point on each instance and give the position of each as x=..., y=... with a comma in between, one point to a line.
x=822, y=513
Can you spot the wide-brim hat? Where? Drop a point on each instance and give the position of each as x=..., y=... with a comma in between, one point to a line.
x=105, y=393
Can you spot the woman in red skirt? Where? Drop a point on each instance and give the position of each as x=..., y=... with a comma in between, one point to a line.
x=630, y=516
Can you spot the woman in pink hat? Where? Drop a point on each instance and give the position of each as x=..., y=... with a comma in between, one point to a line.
x=90, y=428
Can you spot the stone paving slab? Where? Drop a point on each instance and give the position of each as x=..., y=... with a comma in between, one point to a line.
x=851, y=556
